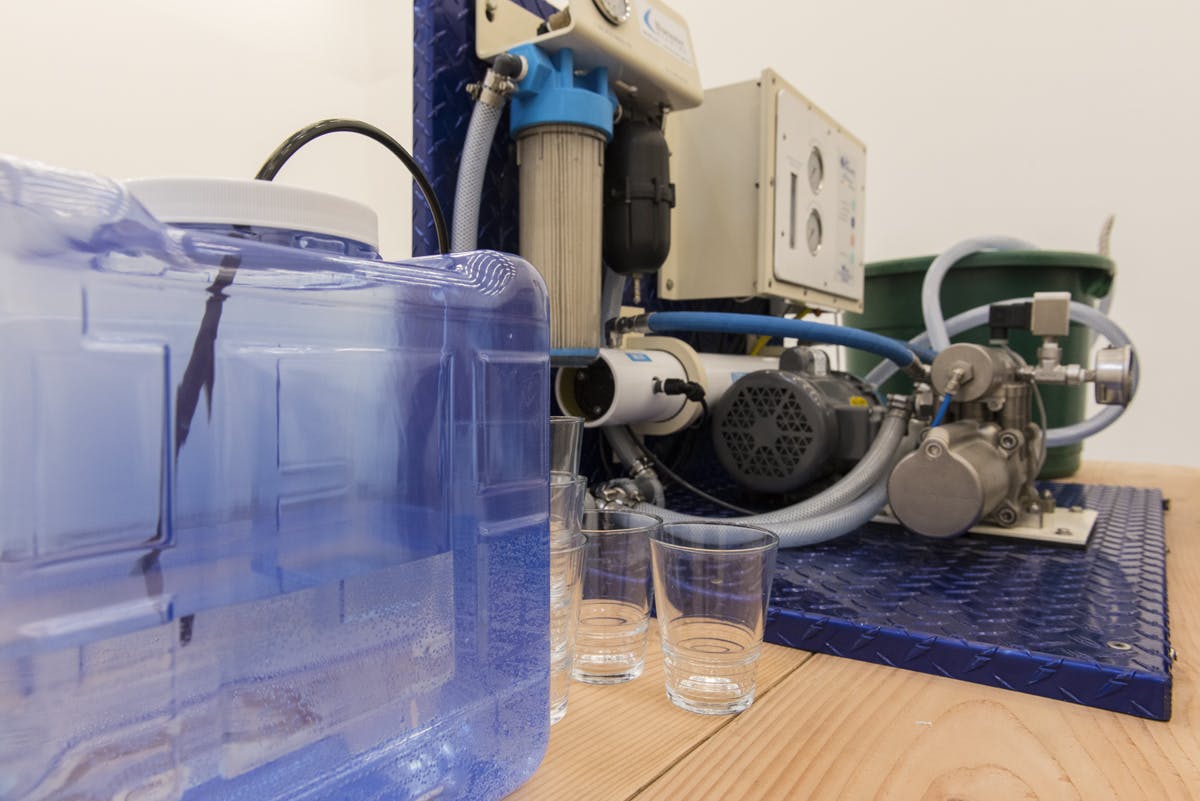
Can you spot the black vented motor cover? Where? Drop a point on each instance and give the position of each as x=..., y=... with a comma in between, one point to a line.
x=638, y=198
x=776, y=431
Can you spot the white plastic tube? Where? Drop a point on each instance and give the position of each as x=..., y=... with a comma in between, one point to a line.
x=635, y=375
x=931, y=288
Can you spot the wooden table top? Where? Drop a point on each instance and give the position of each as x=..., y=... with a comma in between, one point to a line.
x=823, y=727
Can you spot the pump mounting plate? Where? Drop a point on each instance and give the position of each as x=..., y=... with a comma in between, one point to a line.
x=1070, y=526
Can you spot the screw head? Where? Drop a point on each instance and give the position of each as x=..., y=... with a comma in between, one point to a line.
x=1008, y=440
x=934, y=449
x=670, y=283
x=1063, y=532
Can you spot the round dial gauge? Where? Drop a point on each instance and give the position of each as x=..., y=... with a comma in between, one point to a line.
x=813, y=231
x=615, y=11
x=816, y=169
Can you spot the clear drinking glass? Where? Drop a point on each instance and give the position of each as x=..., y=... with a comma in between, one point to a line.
x=712, y=582
x=566, y=436
x=567, y=493
x=610, y=641
x=566, y=574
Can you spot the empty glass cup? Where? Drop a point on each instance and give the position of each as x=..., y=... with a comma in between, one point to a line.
x=566, y=437
x=566, y=573
x=712, y=582
x=567, y=494
x=610, y=641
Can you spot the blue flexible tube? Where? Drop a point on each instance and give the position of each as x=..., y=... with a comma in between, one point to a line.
x=725, y=323
x=924, y=352
x=941, y=412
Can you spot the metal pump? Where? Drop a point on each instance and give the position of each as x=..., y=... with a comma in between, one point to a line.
x=980, y=467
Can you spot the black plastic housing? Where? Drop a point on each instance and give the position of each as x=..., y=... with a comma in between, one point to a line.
x=638, y=198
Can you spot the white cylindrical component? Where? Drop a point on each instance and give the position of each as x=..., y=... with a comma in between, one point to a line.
x=722, y=369
x=623, y=387
x=561, y=227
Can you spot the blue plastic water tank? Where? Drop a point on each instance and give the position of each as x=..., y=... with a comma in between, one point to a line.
x=273, y=520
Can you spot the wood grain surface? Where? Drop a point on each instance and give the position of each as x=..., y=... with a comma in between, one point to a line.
x=830, y=728
x=617, y=739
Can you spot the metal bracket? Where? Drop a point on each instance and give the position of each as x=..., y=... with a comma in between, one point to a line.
x=650, y=56
x=1062, y=526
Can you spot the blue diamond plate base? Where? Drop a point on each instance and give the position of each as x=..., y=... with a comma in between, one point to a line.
x=444, y=63
x=1087, y=626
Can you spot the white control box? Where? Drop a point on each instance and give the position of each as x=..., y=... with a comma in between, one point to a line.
x=770, y=202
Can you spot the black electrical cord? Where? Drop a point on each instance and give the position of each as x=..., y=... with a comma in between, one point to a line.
x=690, y=390
x=302, y=137
x=692, y=488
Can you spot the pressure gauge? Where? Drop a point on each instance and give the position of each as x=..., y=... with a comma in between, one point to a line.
x=615, y=11
x=813, y=231
x=816, y=169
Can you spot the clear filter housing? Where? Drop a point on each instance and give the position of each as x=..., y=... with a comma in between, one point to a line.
x=273, y=515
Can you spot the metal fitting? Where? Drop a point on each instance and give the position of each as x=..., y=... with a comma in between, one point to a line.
x=960, y=373
x=1114, y=376
x=618, y=493
x=918, y=372
x=494, y=90
x=641, y=466
x=632, y=325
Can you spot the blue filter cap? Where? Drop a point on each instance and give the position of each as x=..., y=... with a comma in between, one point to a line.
x=551, y=93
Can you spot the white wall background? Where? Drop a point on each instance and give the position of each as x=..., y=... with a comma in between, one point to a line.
x=166, y=87
x=1035, y=119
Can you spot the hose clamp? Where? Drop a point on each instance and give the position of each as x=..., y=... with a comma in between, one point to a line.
x=900, y=406
x=494, y=90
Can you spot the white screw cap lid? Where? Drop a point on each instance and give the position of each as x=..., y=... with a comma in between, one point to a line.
x=238, y=201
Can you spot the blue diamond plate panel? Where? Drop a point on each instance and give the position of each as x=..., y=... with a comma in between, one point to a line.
x=1087, y=626
x=444, y=63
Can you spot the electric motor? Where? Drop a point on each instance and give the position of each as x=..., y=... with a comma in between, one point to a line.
x=775, y=431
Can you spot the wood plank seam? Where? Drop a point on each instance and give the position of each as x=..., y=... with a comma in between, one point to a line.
x=758, y=698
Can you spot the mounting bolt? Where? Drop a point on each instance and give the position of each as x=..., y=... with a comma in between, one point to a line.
x=1063, y=532
x=1117, y=645
x=1006, y=515
x=670, y=283
x=1173, y=654
x=934, y=449
x=1009, y=441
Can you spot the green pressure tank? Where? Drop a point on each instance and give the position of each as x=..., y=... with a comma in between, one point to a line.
x=892, y=303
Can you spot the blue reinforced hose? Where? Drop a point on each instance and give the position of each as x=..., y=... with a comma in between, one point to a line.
x=721, y=322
